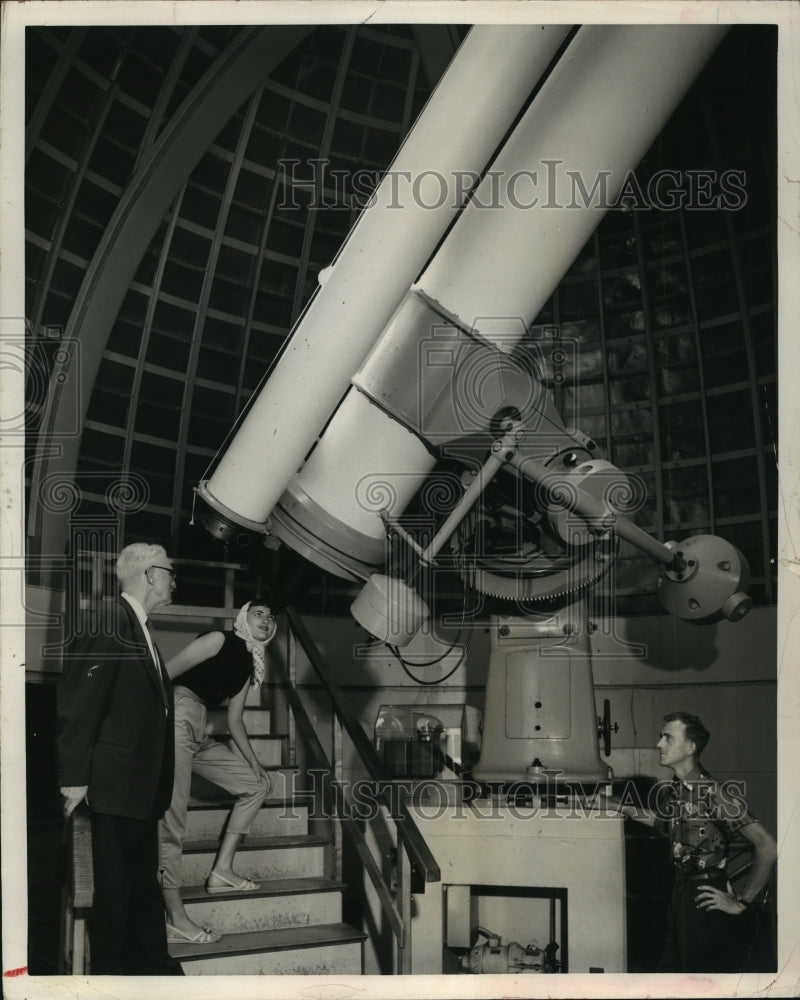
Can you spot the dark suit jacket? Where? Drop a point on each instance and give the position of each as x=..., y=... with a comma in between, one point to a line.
x=114, y=732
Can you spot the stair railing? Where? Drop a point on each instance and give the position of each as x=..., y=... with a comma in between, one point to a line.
x=79, y=894
x=414, y=857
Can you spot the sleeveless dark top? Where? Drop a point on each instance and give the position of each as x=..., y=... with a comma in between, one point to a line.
x=222, y=676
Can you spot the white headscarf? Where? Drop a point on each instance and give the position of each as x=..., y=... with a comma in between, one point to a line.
x=255, y=646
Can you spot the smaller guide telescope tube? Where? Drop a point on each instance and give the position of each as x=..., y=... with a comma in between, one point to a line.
x=493, y=72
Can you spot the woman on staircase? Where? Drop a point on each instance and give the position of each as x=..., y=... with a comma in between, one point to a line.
x=216, y=668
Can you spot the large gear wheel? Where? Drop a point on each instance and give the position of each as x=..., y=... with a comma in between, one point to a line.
x=535, y=575
x=538, y=579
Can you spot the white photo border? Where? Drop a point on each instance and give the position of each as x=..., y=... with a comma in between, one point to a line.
x=15, y=18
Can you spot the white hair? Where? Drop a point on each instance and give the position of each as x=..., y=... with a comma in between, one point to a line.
x=138, y=557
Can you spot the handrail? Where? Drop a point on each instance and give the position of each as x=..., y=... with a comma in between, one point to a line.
x=79, y=892
x=407, y=831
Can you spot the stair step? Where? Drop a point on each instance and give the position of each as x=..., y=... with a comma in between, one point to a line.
x=257, y=843
x=257, y=721
x=275, y=887
x=322, y=949
x=255, y=698
x=268, y=749
x=285, y=785
x=258, y=858
x=286, y=902
x=276, y=816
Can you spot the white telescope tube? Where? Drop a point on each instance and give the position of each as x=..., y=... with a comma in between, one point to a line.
x=599, y=110
x=383, y=469
x=492, y=74
x=596, y=116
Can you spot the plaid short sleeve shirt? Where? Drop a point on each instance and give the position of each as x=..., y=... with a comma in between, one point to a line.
x=700, y=817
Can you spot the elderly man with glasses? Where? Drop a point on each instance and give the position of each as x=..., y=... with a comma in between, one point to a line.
x=116, y=751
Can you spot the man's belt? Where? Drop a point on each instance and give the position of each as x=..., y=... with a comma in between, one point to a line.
x=700, y=876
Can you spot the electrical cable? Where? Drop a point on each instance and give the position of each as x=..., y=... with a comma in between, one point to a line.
x=403, y=663
x=432, y=663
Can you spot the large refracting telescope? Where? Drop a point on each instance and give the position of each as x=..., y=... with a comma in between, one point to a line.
x=418, y=350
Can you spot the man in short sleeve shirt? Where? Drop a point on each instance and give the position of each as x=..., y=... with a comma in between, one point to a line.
x=709, y=929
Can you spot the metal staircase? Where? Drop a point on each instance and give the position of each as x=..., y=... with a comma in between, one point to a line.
x=293, y=923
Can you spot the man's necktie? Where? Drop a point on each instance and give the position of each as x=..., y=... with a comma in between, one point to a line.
x=159, y=665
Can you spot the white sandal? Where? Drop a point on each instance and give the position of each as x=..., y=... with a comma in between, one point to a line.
x=243, y=885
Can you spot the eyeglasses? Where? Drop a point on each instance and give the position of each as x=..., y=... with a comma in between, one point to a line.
x=166, y=569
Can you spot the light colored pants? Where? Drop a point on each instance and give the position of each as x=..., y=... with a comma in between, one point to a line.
x=214, y=761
